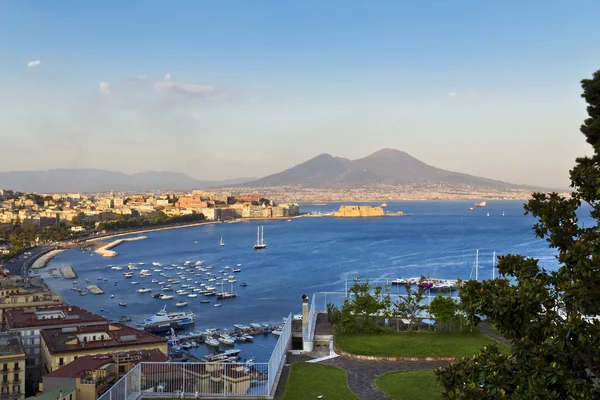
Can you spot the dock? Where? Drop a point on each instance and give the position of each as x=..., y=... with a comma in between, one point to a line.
x=68, y=272
x=45, y=259
x=94, y=289
x=106, y=251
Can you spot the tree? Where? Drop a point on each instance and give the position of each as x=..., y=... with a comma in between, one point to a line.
x=411, y=306
x=555, y=346
x=363, y=304
x=443, y=309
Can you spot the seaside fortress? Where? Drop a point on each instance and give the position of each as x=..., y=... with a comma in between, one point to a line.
x=12, y=364
x=29, y=322
x=93, y=375
x=361, y=212
x=64, y=345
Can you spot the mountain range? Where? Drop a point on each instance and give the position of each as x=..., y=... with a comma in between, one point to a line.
x=97, y=180
x=387, y=166
x=384, y=167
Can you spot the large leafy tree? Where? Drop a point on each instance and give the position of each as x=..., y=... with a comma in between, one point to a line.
x=545, y=314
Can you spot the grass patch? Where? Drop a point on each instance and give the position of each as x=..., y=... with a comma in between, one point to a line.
x=415, y=344
x=307, y=381
x=414, y=385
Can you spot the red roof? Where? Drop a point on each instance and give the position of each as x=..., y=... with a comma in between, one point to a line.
x=78, y=368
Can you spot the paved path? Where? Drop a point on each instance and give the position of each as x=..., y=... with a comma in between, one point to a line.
x=362, y=374
x=486, y=328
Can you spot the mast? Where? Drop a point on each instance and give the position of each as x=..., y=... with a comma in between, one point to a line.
x=477, y=265
x=258, y=235
x=262, y=234
x=494, y=266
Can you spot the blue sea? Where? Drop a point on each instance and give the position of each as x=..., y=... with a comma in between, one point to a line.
x=304, y=256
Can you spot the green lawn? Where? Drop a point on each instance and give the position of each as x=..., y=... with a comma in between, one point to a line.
x=414, y=344
x=308, y=381
x=414, y=385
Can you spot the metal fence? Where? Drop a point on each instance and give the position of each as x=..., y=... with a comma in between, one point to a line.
x=319, y=304
x=192, y=380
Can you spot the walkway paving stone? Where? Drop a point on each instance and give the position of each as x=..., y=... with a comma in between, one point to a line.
x=362, y=374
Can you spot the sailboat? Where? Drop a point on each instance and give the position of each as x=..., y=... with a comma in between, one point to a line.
x=260, y=238
x=503, y=213
x=221, y=243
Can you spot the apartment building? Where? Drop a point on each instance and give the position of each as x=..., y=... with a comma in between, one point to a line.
x=12, y=364
x=12, y=298
x=93, y=375
x=29, y=322
x=64, y=345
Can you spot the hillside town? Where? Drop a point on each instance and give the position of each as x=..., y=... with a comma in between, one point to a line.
x=82, y=214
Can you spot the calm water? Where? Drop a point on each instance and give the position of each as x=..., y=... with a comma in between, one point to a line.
x=304, y=256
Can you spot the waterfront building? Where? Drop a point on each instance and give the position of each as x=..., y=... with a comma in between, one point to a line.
x=93, y=375
x=12, y=364
x=13, y=297
x=63, y=345
x=29, y=322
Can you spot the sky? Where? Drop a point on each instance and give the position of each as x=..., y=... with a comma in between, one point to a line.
x=220, y=89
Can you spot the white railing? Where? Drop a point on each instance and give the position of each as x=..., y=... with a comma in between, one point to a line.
x=319, y=303
x=191, y=380
x=278, y=356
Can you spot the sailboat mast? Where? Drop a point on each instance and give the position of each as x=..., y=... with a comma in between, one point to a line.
x=262, y=234
x=477, y=265
x=494, y=266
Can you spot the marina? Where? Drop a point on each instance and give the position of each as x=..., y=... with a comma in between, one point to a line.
x=309, y=255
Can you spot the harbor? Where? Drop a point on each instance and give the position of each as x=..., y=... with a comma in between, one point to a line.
x=304, y=256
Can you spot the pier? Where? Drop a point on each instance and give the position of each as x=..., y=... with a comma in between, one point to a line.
x=68, y=272
x=43, y=260
x=106, y=251
x=94, y=289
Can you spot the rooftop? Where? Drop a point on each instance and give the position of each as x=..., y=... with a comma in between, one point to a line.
x=11, y=345
x=64, y=340
x=54, y=393
x=50, y=316
x=79, y=368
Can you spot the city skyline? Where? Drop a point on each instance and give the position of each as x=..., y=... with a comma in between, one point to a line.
x=218, y=91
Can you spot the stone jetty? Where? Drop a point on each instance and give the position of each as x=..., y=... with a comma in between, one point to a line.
x=68, y=272
x=94, y=289
x=45, y=259
x=106, y=250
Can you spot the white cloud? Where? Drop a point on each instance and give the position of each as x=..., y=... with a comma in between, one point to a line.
x=168, y=76
x=104, y=88
x=189, y=89
x=33, y=63
x=452, y=94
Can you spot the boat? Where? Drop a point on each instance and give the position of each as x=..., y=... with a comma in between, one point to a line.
x=212, y=342
x=503, y=213
x=236, y=270
x=221, y=242
x=488, y=214
x=223, y=356
x=277, y=331
x=192, y=296
x=181, y=304
x=112, y=296
x=123, y=304
x=243, y=284
x=134, y=283
x=144, y=290
x=471, y=208
x=383, y=205
x=165, y=297
x=218, y=305
x=260, y=238
x=226, y=339
x=163, y=321
x=480, y=205
x=125, y=319
x=249, y=338
x=167, y=289
x=204, y=301
x=157, y=295
x=128, y=274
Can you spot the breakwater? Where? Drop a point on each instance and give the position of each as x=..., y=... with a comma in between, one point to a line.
x=106, y=251
x=42, y=261
x=94, y=289
x=68, y=272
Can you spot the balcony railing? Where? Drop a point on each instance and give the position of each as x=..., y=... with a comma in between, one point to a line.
x=196, y=380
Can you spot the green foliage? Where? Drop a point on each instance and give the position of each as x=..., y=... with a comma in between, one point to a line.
x=444, y=310
x=556, y=351
x=361, y=307
x=154, y=219
x=414, y=385
x=411, y=306
x=333, y=314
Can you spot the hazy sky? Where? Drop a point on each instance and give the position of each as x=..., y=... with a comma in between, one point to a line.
x=220, y=89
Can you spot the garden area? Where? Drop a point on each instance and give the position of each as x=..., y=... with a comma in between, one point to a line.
x=415, y=385
x=309, y=381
